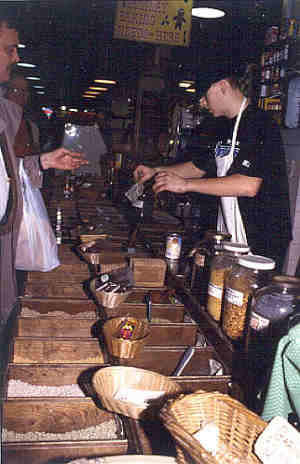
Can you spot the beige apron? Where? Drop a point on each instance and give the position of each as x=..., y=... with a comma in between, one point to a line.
x=229, y=216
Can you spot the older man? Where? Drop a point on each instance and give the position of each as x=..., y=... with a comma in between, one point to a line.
x=246, y=170
x=10, y=193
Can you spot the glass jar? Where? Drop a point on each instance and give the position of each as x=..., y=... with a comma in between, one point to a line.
x=274, y=309
x=251, y=272
x=221, y=265
x=210, y=246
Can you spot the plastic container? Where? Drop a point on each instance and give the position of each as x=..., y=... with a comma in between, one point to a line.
x=221, y=265
x=251, y=273
x=209, y=247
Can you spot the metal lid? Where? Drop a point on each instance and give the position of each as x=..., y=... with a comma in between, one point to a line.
x=236, y=247
x=257, y=262
x=286, y=281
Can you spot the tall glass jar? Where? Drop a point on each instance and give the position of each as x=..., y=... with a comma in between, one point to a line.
x=251, y=272
x=274, y=309
x=211, y=245
x=221, y=265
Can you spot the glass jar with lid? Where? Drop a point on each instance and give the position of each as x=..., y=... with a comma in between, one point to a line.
x=250, y=273
x=274, y=309
x=205, y=250
x=221, y=264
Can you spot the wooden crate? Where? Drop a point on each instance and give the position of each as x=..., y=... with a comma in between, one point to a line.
x=57, y=416
x=148, y=272
x=160, y=313
x=56, y=350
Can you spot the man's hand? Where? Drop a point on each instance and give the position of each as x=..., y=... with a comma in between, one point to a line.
x=169, y=181
x=62, y=159
x=143, y=173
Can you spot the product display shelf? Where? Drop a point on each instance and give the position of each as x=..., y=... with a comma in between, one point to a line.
x=57, y=347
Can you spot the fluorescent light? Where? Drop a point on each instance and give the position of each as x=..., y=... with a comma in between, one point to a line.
x=75, y=110
x=41, y=92
x=190, y=90
x=21, y=46
x=91, y=92
x=98, y=88
x=63, y=108
x=208, y=13
x=32, y=78
x=89, y=96
x=38, y=86
x=104, y=81
x=26, y=65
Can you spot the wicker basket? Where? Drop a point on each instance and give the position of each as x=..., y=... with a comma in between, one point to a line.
x=109, y=380
x=238, y=428
x=108, y=299
x=119, y=347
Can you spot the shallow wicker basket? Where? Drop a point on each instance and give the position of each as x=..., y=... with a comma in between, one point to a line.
x=108, y=299
x=109, y=380
x=119, y=347
x=238, y=428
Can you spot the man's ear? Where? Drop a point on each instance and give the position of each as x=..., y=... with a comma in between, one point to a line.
x=224, y=86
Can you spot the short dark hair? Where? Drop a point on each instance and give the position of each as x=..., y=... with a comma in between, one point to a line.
x=8, y=16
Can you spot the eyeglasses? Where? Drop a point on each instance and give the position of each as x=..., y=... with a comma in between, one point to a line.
x=18, y=91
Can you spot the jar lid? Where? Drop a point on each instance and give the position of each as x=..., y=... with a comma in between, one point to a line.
x=211, y=234
x=236, y=247
x=257, y=262
x=286, y=281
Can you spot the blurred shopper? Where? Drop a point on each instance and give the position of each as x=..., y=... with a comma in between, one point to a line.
x=245, y=169
x=27, y=138
x=11, y=205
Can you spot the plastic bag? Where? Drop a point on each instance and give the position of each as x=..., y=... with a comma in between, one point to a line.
x=36, y=246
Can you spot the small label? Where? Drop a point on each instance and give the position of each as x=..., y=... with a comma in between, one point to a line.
x=199, y=260
x=215, y=291
x=234, y=297
x=258, y=322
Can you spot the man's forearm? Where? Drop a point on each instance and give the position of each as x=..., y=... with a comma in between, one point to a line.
x=235, y=185
x=186, y=170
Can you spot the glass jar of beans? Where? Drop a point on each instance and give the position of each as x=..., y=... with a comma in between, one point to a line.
x=251, y=273
x=220, y=267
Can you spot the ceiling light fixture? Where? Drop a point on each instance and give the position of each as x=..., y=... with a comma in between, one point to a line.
x=98, y=88
x=208, y=13
x=190, y=90
x=185, y=84
x=21, y=46
x=104, y=81
x=32, y=78
x=26, y=65
x=91, y=92
x=89, y=96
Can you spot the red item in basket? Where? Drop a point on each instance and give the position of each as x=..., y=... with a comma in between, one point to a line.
x=126, y=330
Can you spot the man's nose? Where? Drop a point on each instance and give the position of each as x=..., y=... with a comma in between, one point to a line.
x=16, y=57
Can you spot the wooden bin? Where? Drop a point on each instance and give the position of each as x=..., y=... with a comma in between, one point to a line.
x=30, y=350
x=148, y=272
x=58, y=307
x=57, y=416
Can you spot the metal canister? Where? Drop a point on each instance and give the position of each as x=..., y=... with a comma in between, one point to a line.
x=173, y=246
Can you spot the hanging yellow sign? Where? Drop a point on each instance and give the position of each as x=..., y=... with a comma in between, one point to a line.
x=162, y=22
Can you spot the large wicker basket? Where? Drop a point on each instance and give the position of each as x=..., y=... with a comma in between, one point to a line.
x=109, y=380
x=238, y=428
x=119, y=347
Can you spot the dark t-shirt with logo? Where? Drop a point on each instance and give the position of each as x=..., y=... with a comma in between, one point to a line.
x=258, y=153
